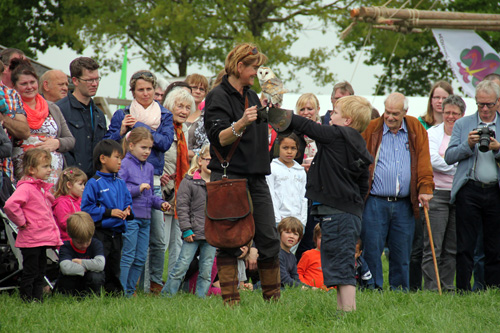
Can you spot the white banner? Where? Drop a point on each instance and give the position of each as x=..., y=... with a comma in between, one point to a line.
x=468, y=55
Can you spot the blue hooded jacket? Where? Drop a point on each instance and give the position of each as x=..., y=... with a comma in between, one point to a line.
x=162, y=137
x=103, y=193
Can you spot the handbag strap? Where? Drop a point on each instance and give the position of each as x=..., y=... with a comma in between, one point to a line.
x=224, y=162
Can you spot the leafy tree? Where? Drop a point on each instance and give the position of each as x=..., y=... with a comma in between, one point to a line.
x=32, y=25
x=170, y=35
x=417, y=61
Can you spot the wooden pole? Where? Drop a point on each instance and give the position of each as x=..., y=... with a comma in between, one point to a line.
x=374, y=12
x=429, y=231
x=419, y=22
x=419, y=29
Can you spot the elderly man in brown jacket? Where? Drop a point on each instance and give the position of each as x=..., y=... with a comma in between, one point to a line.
x=400, y=180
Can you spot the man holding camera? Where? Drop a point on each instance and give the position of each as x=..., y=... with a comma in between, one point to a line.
x=475, y=187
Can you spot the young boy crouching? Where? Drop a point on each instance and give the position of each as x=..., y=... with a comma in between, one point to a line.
x=81, y=258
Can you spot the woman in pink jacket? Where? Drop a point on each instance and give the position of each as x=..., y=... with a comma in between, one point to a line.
x=30, y=208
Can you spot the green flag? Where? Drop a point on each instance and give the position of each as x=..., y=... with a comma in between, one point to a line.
x=123, y=80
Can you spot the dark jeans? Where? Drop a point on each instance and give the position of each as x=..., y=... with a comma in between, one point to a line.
x=34, y=266
x=476, y=206
x=112, y=243
x=76, y=285
x=479, y=262
x=266, y=236
x=417, y=252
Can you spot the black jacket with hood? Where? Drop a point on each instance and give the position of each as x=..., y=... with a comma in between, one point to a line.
x=338, y=176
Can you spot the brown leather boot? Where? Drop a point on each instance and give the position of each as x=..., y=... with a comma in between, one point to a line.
x=270, y=279
x=227, y=268
x=155, y=288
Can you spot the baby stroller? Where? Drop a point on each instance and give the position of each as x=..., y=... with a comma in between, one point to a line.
x=11, y=259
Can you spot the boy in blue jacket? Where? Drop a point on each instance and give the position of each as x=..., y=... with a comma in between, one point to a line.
x=107, y=200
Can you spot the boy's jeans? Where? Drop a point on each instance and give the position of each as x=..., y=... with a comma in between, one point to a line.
x=188, y=251
x=134, y=253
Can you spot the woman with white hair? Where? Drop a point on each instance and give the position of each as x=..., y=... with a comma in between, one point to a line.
x=180, y=102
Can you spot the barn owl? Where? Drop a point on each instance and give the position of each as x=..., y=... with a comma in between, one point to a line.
x=272, y=87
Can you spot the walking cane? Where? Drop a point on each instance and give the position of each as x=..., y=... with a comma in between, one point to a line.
x=432, y=248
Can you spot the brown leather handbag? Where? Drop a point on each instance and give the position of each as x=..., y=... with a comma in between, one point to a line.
x=229, y=221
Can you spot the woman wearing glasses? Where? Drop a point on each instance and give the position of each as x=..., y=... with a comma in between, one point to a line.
x=144, y=111
x=434, y=115
x=441, y=211
x=197, y=136
x=231, y=114
x=48, y=128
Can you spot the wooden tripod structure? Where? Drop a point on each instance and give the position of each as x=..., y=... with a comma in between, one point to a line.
x=413, y=20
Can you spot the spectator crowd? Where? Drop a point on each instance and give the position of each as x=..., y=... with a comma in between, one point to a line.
x=331, y=194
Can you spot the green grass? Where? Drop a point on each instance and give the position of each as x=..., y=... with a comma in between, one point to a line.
x=297, y=311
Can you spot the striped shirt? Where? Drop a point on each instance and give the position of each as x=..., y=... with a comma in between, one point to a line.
x=393, y=167
x=15, y=104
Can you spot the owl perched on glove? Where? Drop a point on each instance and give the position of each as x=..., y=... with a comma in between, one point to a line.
x=272, y=87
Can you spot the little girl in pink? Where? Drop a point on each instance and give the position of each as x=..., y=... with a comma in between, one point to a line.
x=69, y=189
x=29, y=208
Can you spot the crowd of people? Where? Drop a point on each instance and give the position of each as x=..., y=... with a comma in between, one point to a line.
x=330, y=194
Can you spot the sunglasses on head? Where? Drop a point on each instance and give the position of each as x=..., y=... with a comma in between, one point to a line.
x=254, y=51
x=142, y=74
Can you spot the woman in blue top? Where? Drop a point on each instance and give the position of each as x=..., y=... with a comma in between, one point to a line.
x=145, y=112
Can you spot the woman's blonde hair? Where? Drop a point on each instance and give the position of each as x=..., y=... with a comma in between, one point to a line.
x=33, y=158
x=246, y=53
x=134, y=136
x=308, y=98
x=195, y=161
x=72, y=175
x=197, y=80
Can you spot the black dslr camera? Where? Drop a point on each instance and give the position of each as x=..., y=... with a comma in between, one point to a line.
x=484, y=137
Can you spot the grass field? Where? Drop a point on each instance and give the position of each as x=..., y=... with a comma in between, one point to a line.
x=297, y=311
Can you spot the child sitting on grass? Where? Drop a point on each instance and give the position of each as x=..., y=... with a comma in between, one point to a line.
x=291, y=232
x=309, y=266
x=81, y=259
x=107, y=200
x=364, y=276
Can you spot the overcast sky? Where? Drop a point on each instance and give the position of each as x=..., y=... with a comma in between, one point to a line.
x=363, y=81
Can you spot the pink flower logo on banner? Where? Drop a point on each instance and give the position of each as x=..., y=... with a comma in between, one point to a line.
x=477, y=65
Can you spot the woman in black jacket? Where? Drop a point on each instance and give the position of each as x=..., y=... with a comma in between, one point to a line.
x=231, y=113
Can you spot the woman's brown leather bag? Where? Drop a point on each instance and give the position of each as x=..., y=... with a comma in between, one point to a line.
x=229, y=220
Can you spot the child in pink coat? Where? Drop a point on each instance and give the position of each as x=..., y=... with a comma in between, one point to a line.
x=30, y=208
x=69, y=189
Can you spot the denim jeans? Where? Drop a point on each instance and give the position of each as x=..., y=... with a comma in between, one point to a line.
x=174, y=237
x=188, y=251
x=478, y=269
x=157, y=246
x=392, y=221
x=134, y=253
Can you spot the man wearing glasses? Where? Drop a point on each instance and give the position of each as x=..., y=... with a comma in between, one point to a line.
x=475, y=188
x=85, y=120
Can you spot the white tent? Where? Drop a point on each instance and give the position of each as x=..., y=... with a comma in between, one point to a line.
x=417, y=105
